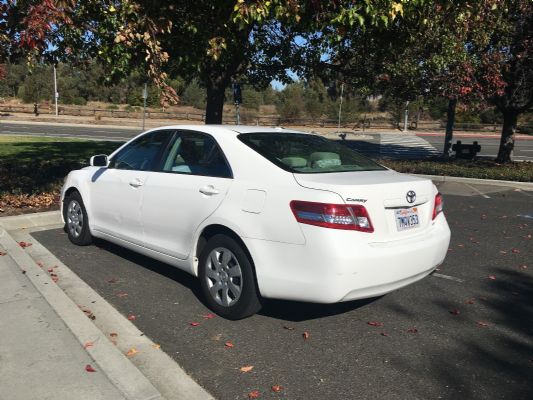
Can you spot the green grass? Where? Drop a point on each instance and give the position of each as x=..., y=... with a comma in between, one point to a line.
x=481, y=169
x=32, y=164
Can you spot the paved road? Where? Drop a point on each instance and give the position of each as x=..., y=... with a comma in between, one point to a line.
x=374, y=145
x=62, y=130
x=489, y=146
x=424, y=350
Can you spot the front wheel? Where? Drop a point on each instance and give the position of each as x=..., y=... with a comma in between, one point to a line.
x=227, y=279
x=76, y=220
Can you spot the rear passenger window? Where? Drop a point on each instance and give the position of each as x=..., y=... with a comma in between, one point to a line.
x=141, y=154
x=196, y=154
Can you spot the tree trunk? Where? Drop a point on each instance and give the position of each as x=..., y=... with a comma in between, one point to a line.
x=450, y=122
x=215, y=103
x=505, y=152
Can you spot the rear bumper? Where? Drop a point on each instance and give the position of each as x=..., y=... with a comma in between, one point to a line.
x=340, y=267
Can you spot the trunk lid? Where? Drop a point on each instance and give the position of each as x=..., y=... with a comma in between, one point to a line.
x=385, y=196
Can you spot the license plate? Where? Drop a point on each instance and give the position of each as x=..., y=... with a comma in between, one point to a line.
x=406, y=218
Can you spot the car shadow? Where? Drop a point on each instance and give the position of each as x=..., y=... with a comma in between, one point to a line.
x=293, y=311
x=161, y=268
x=296, y=311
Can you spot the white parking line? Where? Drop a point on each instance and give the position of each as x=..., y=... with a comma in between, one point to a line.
x=450, y=278
x=477, y=190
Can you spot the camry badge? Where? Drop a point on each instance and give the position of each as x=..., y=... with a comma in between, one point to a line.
x=410, y=196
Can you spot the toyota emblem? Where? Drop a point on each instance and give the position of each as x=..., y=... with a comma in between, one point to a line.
x=411, y=196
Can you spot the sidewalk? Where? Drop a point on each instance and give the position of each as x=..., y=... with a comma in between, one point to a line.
x=39, y=356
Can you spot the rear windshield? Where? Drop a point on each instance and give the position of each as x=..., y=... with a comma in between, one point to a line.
x=307, y=154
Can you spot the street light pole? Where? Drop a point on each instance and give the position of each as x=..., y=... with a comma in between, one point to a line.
x=406, y=116
x=145, y=96
x=56, y=94
x=340, y=108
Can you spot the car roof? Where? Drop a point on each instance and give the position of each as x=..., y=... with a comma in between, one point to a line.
x=230, y=129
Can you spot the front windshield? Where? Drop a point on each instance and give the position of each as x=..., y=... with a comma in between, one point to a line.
x=307, y=154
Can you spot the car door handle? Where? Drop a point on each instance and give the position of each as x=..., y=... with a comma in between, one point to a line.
x=136, y=183
x=209, y=190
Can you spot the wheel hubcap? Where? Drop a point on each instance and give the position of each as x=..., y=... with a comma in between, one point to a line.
x=223, y=276
x=74, y=218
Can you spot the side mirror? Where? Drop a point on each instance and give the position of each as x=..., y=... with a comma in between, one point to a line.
x=99, y=161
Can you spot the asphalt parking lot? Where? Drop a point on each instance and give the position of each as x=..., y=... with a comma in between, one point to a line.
x=465, y=332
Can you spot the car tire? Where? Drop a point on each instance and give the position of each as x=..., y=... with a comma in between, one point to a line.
x=224, y=267
x=76, y=220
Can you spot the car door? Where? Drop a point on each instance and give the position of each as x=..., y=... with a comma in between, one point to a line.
x=192, y=182
x=116, y=191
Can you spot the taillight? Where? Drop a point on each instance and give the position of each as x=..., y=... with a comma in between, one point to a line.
x=336, y=216
x=439, y=204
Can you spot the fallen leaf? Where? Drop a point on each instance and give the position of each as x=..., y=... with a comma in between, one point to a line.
x=132, y=317
x=246, y=368
x=113, y=334
x=40, y=264
x=89, y=314
x=88, y=368
x=194, y=323
x=305, y=335
x=470, y=301
x=503, y=252
x=112, y=280
x=455, y=311
x=121, y=294
x=492, y=277
x=216, y=337
x=374, y=323
x=24, y=244
x=229, y=344
x=156, y=346
x=254, y=394
x=131, y=352
x=277, y=388
x=289, y=328
x=209, y=316
x=88, y=344
x=412, y=330
x=384, y=334
x=2, y=253
x=483, y=323
x=515, y=251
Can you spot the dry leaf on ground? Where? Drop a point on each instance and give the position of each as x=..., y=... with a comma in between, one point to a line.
x=89, y=368
x=131, y=352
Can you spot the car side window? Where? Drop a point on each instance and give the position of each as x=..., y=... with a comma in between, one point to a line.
x=142, y=153
x=195, y=153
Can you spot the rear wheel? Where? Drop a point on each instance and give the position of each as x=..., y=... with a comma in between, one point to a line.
x=76, y=220
x=227, y=279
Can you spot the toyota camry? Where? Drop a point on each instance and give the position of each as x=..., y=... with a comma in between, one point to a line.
x=258, y=213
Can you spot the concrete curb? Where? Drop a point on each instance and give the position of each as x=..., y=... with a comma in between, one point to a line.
x=161, y=370
x=25, y=221
x=526, y=186
x=151, y=374
x=119, y=370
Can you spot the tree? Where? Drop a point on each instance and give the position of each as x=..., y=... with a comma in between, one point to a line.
x=213, y=40
x=474, y=52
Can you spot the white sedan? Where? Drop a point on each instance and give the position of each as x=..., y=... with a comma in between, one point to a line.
x=259, y=213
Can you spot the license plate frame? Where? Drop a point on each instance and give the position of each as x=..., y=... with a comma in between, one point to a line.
x=406, y=218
